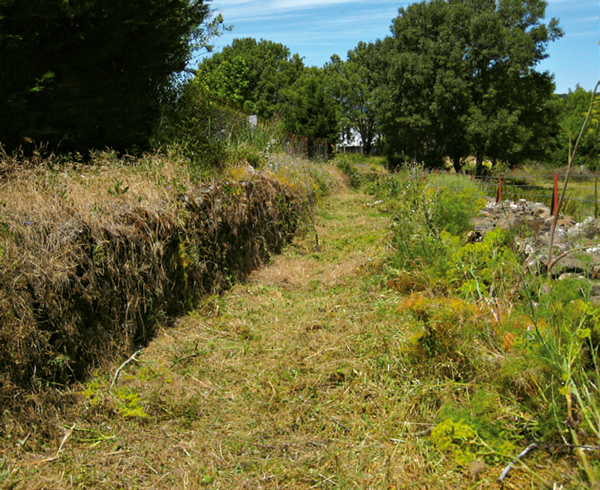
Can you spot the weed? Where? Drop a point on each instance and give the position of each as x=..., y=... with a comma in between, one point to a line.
x=117, y=188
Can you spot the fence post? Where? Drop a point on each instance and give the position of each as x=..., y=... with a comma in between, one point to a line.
x=499, y=196
x=554, y=206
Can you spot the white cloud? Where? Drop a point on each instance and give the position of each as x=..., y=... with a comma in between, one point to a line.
x=304, y=4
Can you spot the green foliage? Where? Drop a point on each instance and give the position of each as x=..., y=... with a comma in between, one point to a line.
x=542, y=379
x=475, y=430
x=458, y=78
x=428, y=214
x=262, y=78
x=252, y=75
x=91, y=74
x=195, y=127
x=117, y=189
x=458, y=200
x=475, y=267
x=310, y=110
x=456, y=437
x=229, y=81
x=351, y=82
x=573, y=110
x=130, y=404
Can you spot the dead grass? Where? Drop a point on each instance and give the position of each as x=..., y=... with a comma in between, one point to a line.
x=93, y=258
x=295, y=378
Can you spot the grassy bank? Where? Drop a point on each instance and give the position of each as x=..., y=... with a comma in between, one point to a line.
x=95, y=256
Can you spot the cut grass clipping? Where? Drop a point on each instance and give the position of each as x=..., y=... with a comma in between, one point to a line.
x=353, y=362
x=94, y=257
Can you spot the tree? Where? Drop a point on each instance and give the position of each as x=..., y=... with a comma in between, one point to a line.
x=88, y=74
x=252, y=74
x=460, y=78
x=573, y=110
x=310, y=110
x=228, y=81
x=351, y=83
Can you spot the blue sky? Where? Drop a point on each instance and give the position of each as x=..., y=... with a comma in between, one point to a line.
x=317, y=29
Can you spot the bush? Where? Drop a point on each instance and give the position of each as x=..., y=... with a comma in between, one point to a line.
x=431, y=213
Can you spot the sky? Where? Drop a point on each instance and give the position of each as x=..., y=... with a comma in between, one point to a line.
x=317, y=29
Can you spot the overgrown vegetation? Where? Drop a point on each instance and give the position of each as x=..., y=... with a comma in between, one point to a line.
x=95, y=256
x=347, y=363
x=525, y=347
x=387, y=348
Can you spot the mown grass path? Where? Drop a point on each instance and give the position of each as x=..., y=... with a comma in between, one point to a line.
x=294, y=379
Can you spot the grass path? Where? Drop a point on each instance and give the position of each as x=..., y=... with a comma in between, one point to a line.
x=292, y=380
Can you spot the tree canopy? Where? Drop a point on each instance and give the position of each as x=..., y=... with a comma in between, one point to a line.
x=252, y=74
x=310, y=109
x=262, y=77
x=455, y=78
x=460, y=78
x=572, y=111
x=83, y=74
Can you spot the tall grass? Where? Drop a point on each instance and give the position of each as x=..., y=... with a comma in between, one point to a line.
x=428, y=212
x=544, y=336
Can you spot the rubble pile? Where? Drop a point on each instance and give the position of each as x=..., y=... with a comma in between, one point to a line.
x=576, y=244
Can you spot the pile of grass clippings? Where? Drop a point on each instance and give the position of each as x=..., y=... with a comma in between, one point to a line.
x=93, y=257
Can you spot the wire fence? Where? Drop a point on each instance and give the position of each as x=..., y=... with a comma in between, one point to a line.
x=312, y=148
x=581, y=197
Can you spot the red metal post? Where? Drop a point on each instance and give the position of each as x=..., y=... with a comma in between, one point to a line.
x=499, y=196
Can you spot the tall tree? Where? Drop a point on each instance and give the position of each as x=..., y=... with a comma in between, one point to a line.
x=91, y=73
x=310, y=109
x=572, y=112
x=252, y=74
x=351, y=83
x=461, y=78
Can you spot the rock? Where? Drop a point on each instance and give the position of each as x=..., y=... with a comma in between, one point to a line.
x=533, y=222
x=566, y=275
x=541, y=213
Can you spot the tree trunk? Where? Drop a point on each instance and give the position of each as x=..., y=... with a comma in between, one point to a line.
x=457, y=163
x=479, y=165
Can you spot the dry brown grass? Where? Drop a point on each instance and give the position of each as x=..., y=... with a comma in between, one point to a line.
x=92, y=257
x=295, y=379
